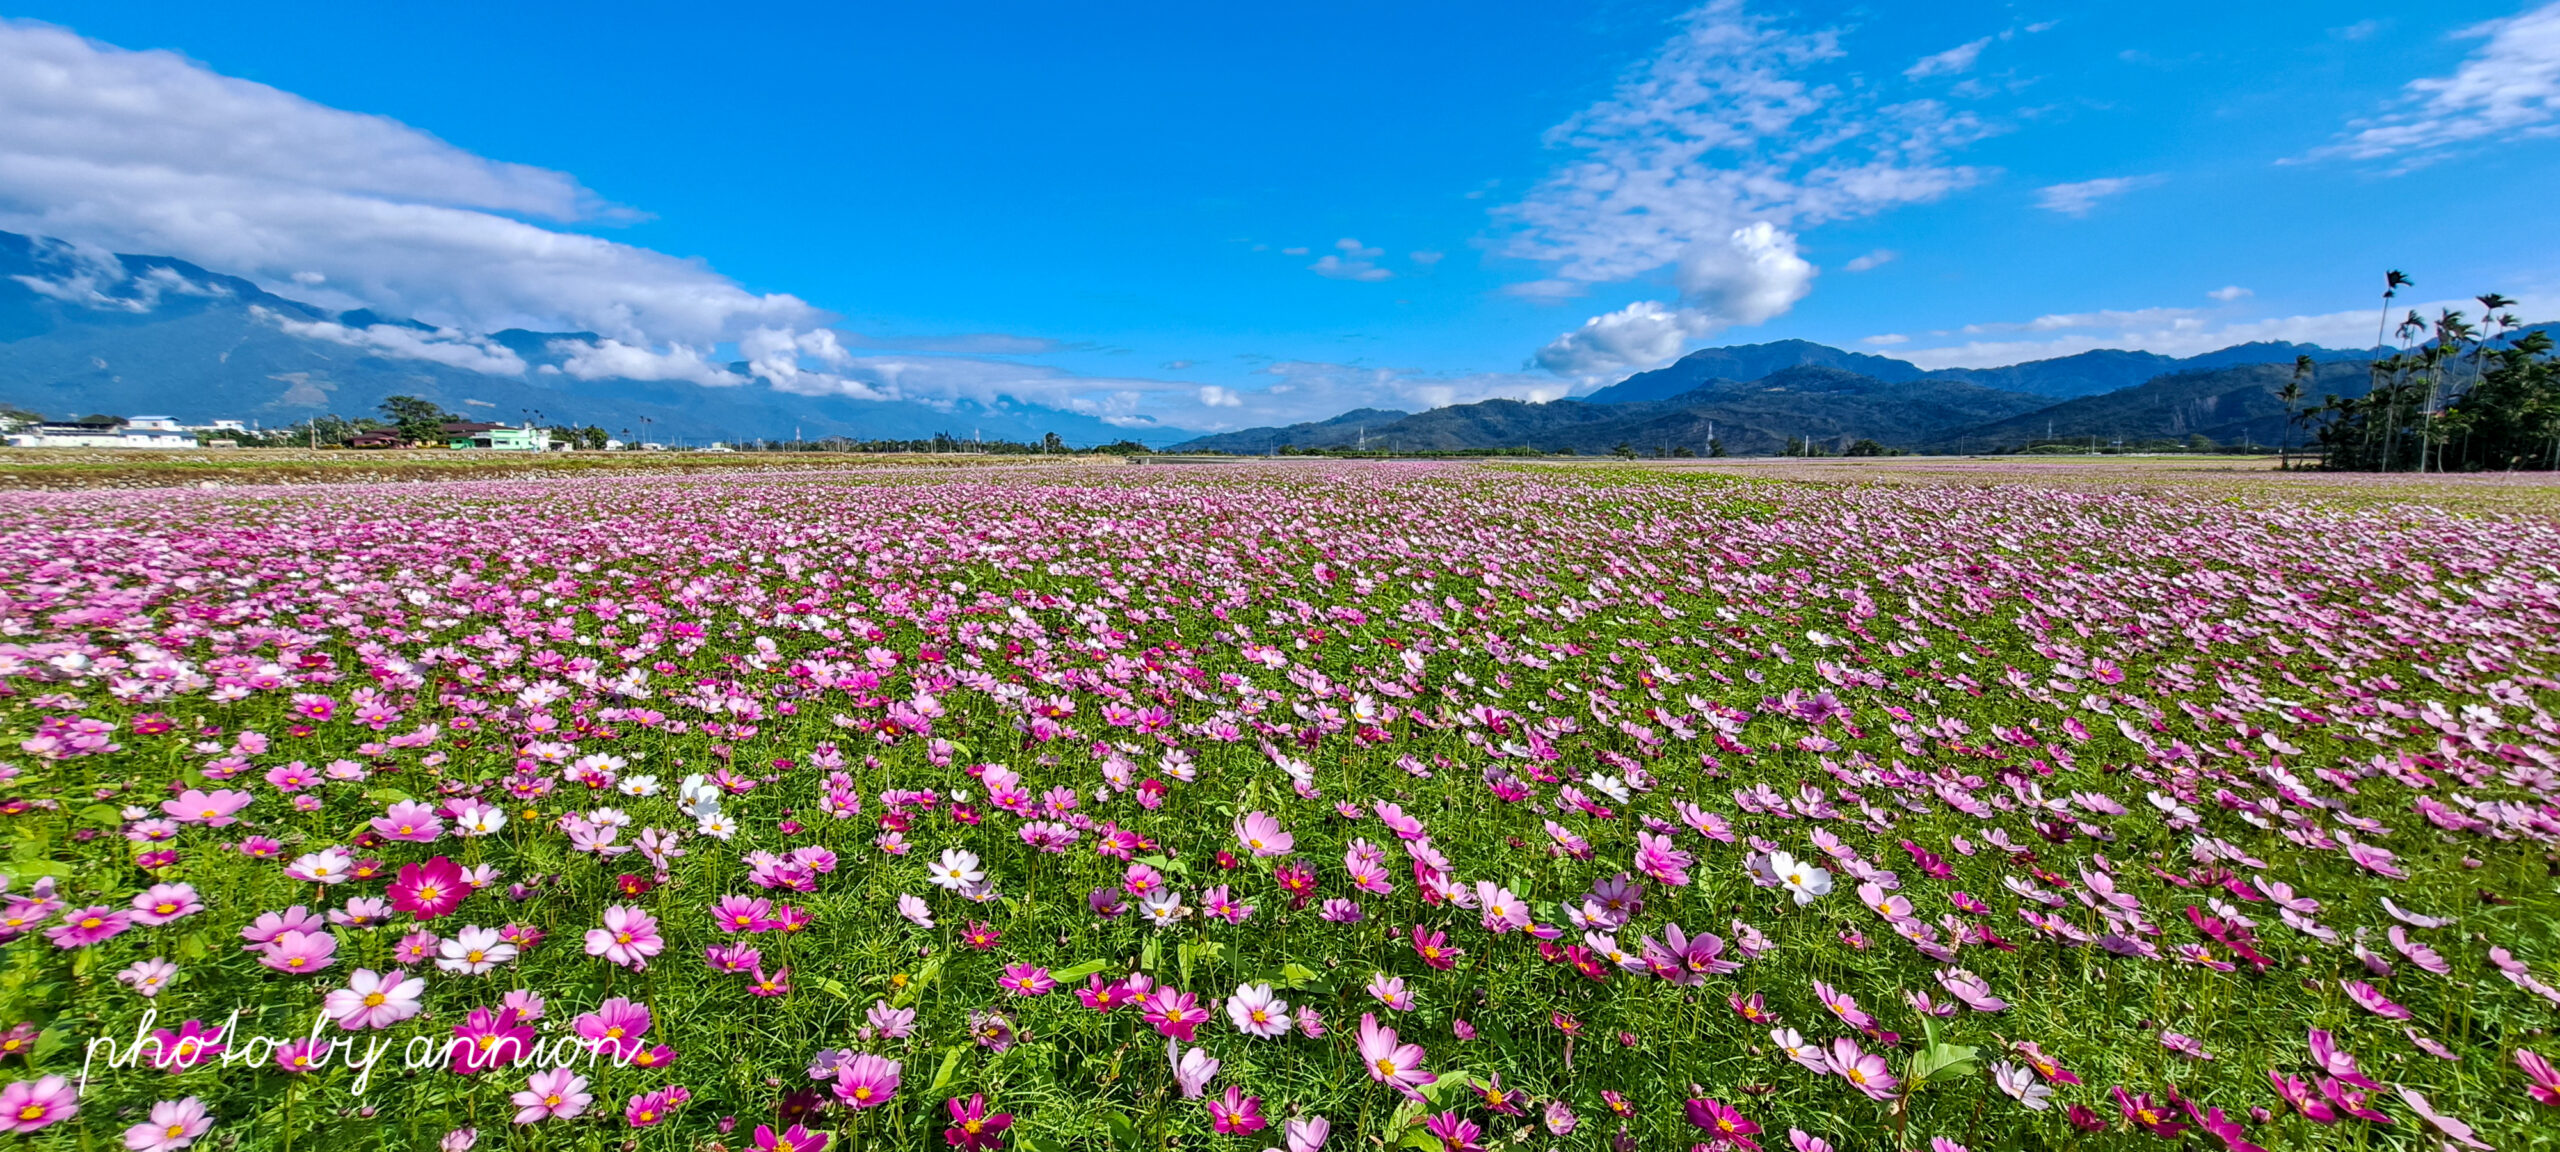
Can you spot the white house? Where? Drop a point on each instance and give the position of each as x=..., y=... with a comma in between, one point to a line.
x=104, y=436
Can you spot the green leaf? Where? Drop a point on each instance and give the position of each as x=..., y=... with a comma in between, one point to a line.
x=1204, y=951
x=1941, y=1060
x=1294, y=975
x=833, y=987
x=1151, y=954
x=48, y=1042
x=930, y=972
x=386, y=795
x=950, y=1068
x=102, y=815
x=1123, y=1133
x=1422, y=1140
x=193, y=946
x=1080, y=971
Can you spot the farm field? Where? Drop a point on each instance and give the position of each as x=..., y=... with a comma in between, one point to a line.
x=1903, y=804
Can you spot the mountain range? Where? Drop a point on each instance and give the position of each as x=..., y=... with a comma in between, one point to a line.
x=83, y=332
x=1755, y=398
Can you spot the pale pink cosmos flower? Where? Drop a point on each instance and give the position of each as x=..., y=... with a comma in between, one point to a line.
x=629, y=937
x=1257, y=1012
x=552, y=1094
x=375, y=1000
x=174, y=1124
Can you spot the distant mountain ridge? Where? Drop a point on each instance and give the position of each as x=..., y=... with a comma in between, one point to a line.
x=1749, y=417
x=2062, y=377
x=83, y=332
x=1755, y=398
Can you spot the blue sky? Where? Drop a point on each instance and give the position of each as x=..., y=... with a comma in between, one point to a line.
x=1211, y=216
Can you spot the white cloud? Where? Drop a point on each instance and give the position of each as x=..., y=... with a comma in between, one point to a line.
x=1754, y=275
x=1641, y=334
x=1213, y=396
x=1426, y=258
x=1948, y=63
x=1722, y=134
x=152, y=152
x=1872, y=260
x=2230, y=292
x=2174, y=332
x=2076, y=199
x=611, y=359
x=1884, y=339
x=1351, y=261
x=447, y=346
x=2506, y=89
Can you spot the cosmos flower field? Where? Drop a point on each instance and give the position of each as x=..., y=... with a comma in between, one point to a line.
x=1442, y=806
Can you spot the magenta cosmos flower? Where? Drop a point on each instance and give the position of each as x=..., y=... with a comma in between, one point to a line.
x=972, y=1128
x=83, y=927
x=28, y=1105
x=629, y=937
x=429, y=890
x=867, y=1081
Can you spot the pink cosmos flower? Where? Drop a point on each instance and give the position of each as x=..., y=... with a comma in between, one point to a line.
x=891, y=1023
x=174, y=1124
x=1174, y=1014
x=1973, y=990
x=1865, y=1071
x=1722, y=1124
x=1191, y=1069
x=973, y=1129
x=614, y=1029
x=797, y=1138
x=162, y=903
x=867, y=1081
x=1390, y=1062
x=629, y=937
x=30, y=1105
x=1501, y=910
x=1237, y=1112
x=2545, y=1086
x=1257, y=1012
x=552, y=1094
x=1261, y=836
x=430, y=890
x=82, y=927
x=2371, y=999
x=299, y=952
x=490, y=1038
x=650, y=1109
x=147, y=977
x=411, y=821
x=1455, y=1132
x=372, y=1000
x=1026, y=980
x=212, y=809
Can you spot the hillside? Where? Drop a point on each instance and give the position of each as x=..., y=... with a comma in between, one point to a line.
x=2228, y=405
x=1827, y=404
x=129, y=335
x=1346, y=430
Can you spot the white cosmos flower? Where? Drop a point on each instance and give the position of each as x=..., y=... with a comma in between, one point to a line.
x=717, y=826
x=639, y=785
x=1807, y=882
x=957, y=869
x=474, y=950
